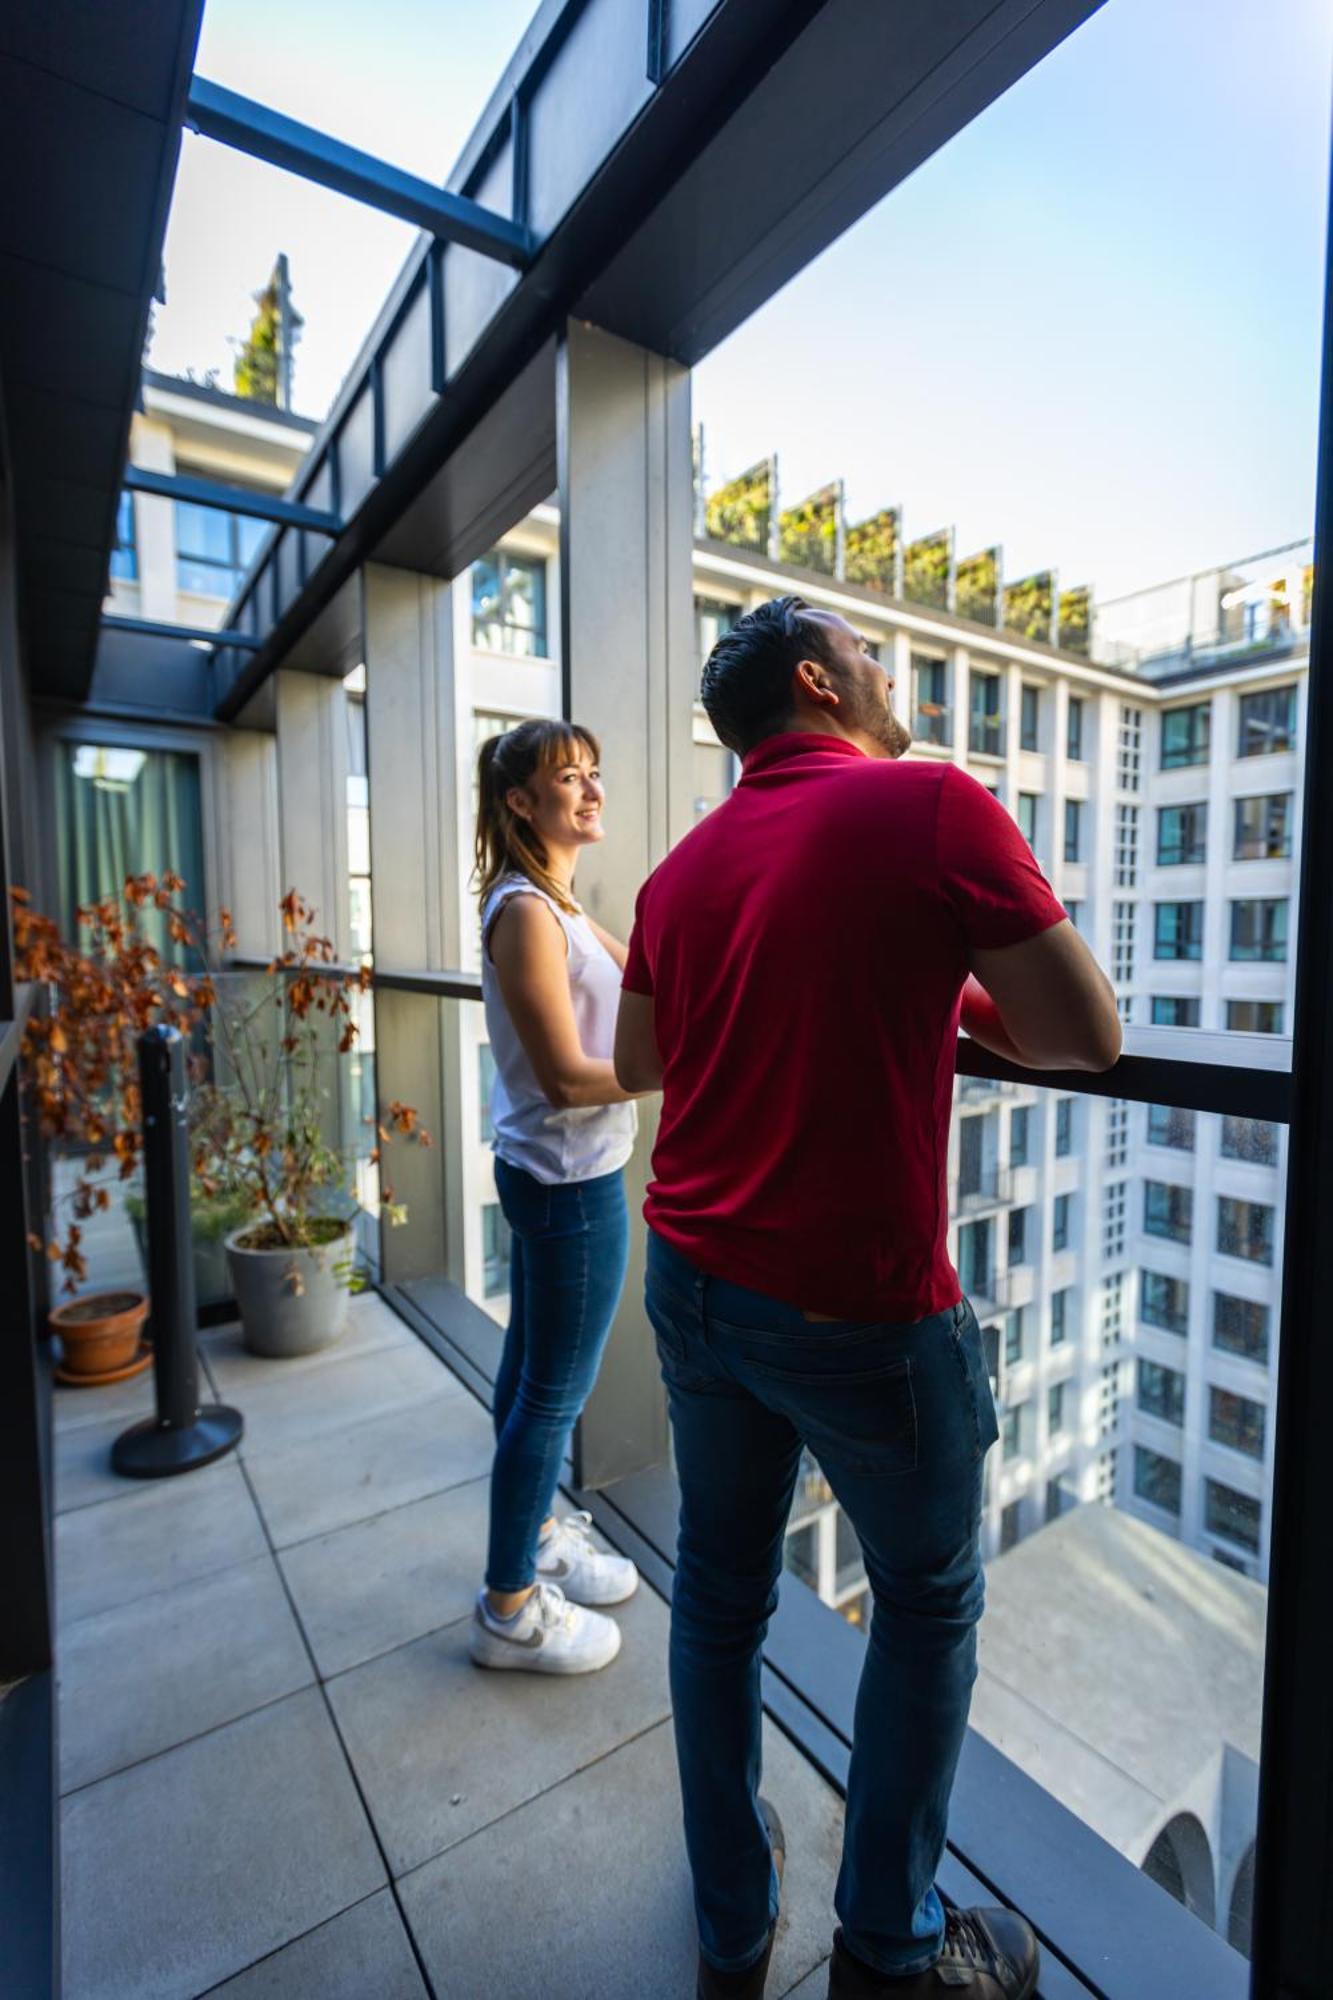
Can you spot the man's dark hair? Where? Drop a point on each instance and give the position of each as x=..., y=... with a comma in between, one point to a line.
x=746, y=685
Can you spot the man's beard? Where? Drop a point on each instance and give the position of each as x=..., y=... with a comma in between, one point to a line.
x=883, y=727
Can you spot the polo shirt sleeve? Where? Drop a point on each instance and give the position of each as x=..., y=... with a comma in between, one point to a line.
x=637, y=976
x=988, y=872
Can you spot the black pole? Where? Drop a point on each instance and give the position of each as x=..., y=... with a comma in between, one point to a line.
x=180, y=1436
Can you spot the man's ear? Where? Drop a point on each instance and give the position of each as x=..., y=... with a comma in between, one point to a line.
x=816, y=683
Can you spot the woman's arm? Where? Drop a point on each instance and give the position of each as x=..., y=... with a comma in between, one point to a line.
x=527, y=948
x=618, y=951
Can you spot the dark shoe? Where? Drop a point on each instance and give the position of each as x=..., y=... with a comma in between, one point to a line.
x=988, y=1955
x=748, y=1983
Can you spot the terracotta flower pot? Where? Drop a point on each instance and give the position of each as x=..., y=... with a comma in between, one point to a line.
x=100, y=1331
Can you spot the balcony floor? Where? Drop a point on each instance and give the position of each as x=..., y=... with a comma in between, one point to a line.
x=282, y=1775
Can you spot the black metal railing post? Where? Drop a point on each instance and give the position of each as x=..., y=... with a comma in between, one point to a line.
x=180, y=1435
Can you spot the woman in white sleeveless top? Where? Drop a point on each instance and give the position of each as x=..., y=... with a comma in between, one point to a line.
x=563, y=1131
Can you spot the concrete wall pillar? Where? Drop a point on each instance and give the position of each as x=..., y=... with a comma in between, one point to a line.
x=416, y=901
x=629, y=672
x=312, y=797
x=246, y=839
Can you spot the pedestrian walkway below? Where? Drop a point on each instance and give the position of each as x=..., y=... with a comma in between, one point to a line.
x=282, y=1776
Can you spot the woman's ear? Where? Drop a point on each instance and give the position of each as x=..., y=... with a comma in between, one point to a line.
x=518, y=802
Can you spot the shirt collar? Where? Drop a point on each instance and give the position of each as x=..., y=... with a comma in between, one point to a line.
x=791, y=744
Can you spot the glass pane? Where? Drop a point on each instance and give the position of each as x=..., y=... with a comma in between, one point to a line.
x=1126, y=1506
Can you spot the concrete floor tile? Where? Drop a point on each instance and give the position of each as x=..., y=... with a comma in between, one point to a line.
x=392, y=1578
x=143, y=1676
x=424, y=1728
x=163, y=1533
x=190, y=1867
x=72, y=1409
x=282, y=1408
x=83, y=1475
x=813, y=1987
x=371, y=1327
x=617, y=1825
x=328, y=1482
x=362, y=1955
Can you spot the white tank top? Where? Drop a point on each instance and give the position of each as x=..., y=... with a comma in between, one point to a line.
x=553, y=1145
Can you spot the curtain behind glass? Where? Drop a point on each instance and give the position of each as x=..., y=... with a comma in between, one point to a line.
x=126, y=812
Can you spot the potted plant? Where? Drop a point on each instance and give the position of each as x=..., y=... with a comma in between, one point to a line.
x=265, y=1177
x=80, y=1082
x=212, y=1220
x=261, y=1142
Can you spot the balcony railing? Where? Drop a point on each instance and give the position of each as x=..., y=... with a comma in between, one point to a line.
x=986, y=735
x=934, y=725
x=985, y=1089
x=992, y=1188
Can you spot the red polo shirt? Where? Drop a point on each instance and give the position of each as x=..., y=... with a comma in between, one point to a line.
x=806, y=947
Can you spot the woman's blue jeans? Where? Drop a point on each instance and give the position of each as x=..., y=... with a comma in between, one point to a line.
x=566, y=1271
x=900, y=1417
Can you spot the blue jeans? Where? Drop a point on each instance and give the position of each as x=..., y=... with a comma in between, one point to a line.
x=566, y=1269
x=900, y=1417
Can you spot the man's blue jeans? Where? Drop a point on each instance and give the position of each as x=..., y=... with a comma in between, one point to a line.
x=900, y=1417
x=566, y=1270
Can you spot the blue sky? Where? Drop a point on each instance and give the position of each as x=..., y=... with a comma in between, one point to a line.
x=1088, y=329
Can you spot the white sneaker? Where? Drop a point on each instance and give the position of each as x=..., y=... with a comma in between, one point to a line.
x=547, y=1636
x=569, y=1557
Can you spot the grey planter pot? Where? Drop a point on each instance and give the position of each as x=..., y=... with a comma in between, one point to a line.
x=280, y=1318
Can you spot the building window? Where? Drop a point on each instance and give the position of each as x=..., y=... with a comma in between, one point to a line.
x=1013, y=1337
x=929, y=680
x=1055, y=1408
x=1255, y=1017
x=1245, y=1229
x=1018, y=1235
x=1168, y=1210
x=1105, y=1476
x=1026, y=816
x=1073, y=911
x=1108, y=1400
x=1126, y=847
x=1054, y=1499
x=1011, y=1433
x=712, y=617
x=985, y=727
x=495, y=1243
x=509, y=604
x=1122, y=943
x=1060, y=1315
x=1234, y=1516
x=1018, y=1136
x=1113, y=1231
x=1251, y=1139
x=1129, y=748
x=1010, y=1526
x=1263, y=828
x=1157, y=1479
x=1161, y=1393
x=1267, y=722
x=1029, y=714
x=1236, y=1422
x=1181, y=835
x=1164, y=1302
x=1073, y=830
x=1169, y=1126
x=1240, y=1326
x=1174, y=1010
x=1117, y=1132
x=213, y=549
x=485, y=1084
x=1259, y=930
x=1178, y=930
x=125, y=554
x=974, y=1258
x=1074, y=730
x=1185, y=735
x=1060, y=1222
x=1064, y=1127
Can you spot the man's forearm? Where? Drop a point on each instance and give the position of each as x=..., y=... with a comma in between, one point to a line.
x=981, y=1018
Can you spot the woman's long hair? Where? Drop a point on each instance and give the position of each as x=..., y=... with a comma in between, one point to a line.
x=505, y=842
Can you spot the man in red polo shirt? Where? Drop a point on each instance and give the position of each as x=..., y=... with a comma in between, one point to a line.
x=797, y=974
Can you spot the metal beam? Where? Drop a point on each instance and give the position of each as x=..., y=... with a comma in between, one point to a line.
x=231, y=499
x=268, y=135
x=148, y=628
